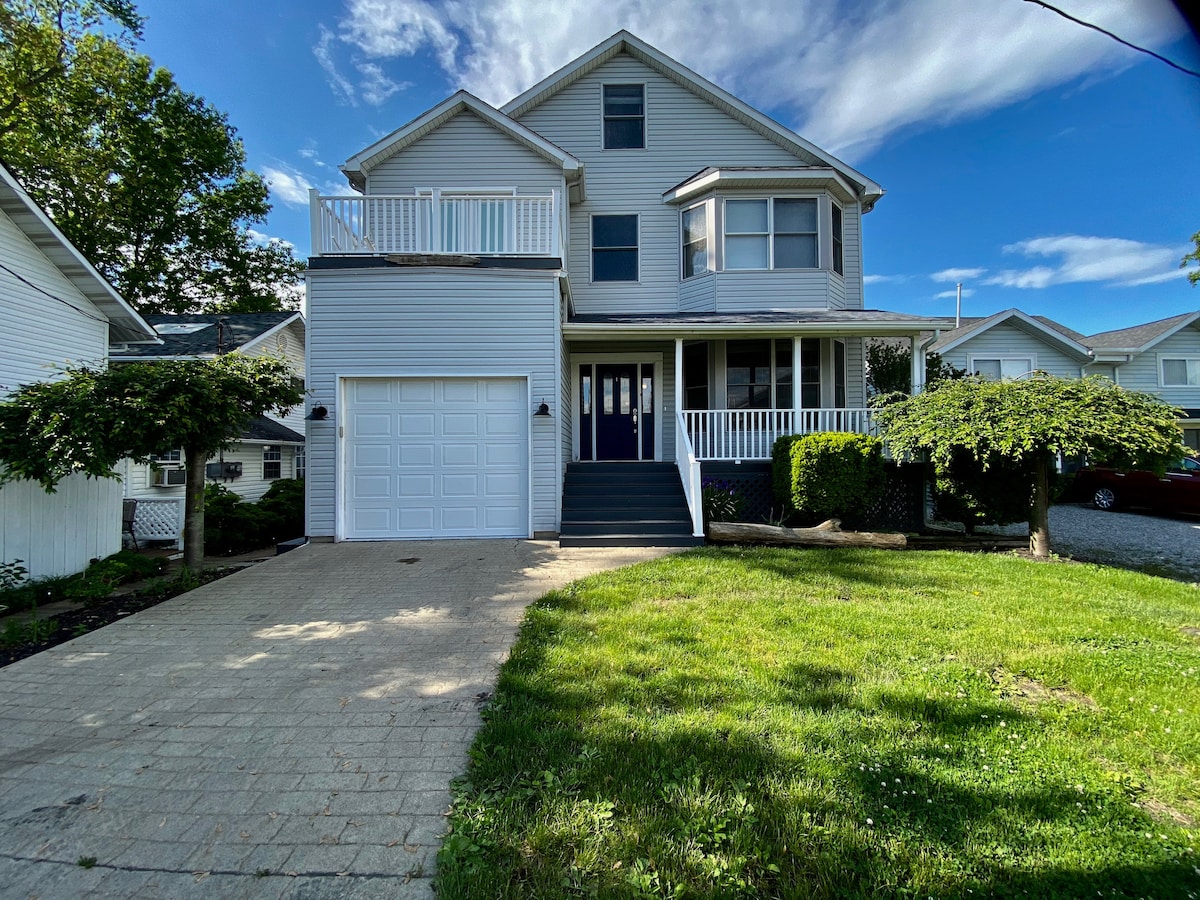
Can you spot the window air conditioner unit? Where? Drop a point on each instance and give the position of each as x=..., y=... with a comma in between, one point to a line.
x=169, y=477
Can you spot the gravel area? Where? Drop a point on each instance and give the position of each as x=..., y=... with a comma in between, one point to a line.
x=1158, y=545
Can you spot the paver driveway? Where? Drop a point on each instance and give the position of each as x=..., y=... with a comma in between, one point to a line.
x=288, y=731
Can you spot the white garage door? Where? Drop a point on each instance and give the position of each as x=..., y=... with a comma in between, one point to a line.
x=436, y=457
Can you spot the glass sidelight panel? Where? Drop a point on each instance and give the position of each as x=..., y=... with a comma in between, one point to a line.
x=608, y=395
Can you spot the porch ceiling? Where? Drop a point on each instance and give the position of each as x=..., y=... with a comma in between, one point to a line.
x=842, y=323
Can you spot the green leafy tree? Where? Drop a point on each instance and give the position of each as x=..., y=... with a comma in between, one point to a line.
x=92, y=418
x=1027, y=423
x=147, y=180
x=1193, y=258
x=889, y=368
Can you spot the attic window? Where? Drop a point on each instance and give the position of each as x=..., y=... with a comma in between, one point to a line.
x=182, y=327
x=624, y=116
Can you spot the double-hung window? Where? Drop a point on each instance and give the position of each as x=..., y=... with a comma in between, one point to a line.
x=1183, y=372
x=170, y=457
x=624, y=116
x=614, y=248
x=1001, y=369
x=779, y=233
x=836, y=229
x=695, y=241
x=272, y=462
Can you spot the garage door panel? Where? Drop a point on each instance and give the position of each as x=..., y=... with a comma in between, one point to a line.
x=417, y=423
x=372, y=456
x=431, y=457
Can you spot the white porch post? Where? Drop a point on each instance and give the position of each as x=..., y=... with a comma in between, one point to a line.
x=314, y=220
x=918, y=364
x=679, y=375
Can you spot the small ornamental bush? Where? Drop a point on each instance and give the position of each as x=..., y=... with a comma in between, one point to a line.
x=781, y=474
x=721, y=501
x=836, y=475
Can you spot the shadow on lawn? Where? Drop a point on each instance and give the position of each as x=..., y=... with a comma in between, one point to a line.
x=798, y=817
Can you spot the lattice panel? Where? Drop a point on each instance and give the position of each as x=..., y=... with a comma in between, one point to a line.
x=158, y=520
x=752, y=481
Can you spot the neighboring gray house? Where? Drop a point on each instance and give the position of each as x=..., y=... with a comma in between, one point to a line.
x=57, y=311
x=1161, y=358
x=272, y=447
x=523, y=309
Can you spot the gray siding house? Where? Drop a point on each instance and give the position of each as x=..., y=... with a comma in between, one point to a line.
x=1160, y=358
x=623, y=265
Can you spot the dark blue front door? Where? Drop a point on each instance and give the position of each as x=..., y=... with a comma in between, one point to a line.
x=616, y=408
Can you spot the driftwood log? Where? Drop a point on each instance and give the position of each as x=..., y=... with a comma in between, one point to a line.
x=828, y=534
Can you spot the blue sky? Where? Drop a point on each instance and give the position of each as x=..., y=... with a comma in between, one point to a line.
x=1041, y=164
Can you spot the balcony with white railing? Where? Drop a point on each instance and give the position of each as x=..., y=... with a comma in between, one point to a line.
x=475, y=224
x=749, y=434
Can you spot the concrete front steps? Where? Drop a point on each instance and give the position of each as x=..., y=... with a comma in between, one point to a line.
x=625, y=504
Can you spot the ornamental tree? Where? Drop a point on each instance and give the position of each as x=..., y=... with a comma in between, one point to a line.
x=1027, y=423
x=889, y=368
x=92, y=418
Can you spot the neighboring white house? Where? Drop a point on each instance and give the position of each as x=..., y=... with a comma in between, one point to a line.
x=1160, y=358
x=624, y=263
x=57, y=311
x=272, y=447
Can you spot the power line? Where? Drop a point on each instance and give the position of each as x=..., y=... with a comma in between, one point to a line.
x=1119, y=40
x=42, y=290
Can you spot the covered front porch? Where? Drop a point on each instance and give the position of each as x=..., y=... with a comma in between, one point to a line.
x=711, y=387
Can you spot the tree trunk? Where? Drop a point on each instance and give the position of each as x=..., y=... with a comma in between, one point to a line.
x=1039, y=515
x=193, y=509
x=827, y=534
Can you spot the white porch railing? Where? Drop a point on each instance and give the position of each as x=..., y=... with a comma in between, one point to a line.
x=750, y=433
x=689, y=472
x=474, y=224
x=159, y=519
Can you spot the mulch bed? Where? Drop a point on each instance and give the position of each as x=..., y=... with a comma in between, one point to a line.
x=73, y=623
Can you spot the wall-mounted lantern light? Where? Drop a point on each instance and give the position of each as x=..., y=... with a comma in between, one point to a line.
x=318, y=413
x=542, y=410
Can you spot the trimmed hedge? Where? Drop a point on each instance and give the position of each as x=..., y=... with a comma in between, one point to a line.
x=781, y=473
x=232, y=525
x=834, y=474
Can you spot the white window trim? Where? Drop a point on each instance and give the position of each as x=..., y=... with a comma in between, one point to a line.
x=709, y=226
x=173, y=458
x=274, y=449
x=1163, y=358
x=592, y=247
x=770, y=233
x=645, y=119
x=1031, y=359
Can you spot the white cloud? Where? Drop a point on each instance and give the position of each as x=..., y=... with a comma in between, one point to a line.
x=1115, y=261
x=289, y=187
x=849, y=75
x=376, y=87
x=950, y=295
x=957, y=274
x=265, y=240
x=884, y=279
x=341, y=86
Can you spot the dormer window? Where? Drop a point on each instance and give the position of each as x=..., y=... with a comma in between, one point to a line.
x=624, y=116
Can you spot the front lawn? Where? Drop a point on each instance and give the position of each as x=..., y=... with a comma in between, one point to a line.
x=786, y=723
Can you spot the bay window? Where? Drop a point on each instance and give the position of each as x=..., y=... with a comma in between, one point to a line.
x=695, y=241
x=779, y=233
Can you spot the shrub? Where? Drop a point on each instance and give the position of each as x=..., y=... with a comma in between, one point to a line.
x=964, y=491
x=781, y=474
x=232, y=525
x=836, y=474
x=721, y=501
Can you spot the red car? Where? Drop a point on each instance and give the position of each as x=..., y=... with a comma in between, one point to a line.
x=1177, y=491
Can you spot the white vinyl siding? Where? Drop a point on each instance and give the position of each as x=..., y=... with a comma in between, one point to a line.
x=465, y=152
x=684, y=134
x=1144, y=372
x=292, y=350
x=53, y=534
x=431, y=322
x=1009, y=342
x=250, y=485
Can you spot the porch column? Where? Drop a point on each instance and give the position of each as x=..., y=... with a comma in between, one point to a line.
x=918, y=364
x=679, y=376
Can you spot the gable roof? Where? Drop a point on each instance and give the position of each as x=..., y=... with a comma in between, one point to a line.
x=1040, y=327
x=357, y=166
x=240, y=331
x=124, y=324
x=1140, y=338
x=624, y=42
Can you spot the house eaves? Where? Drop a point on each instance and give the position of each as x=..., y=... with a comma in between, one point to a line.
x=832, y=323
x=762, y=178
x=867, y=191
x=124, y=323
x=359, y=166
x=267, y=335
x=1030, y=325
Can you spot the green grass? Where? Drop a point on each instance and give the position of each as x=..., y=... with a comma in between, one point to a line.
x=783, y=723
